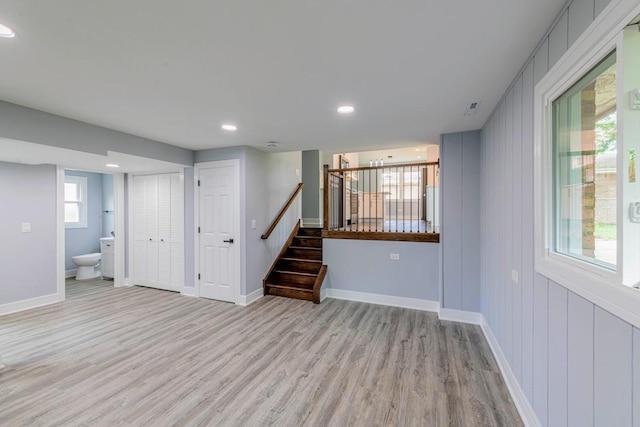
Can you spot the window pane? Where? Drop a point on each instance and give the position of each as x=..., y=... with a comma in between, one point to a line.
x=71, y=192
x=584, y=137
x=71, y=212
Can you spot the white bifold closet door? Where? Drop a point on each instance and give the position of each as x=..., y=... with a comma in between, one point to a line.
x=158, y=224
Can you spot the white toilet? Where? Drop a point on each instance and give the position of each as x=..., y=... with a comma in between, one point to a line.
x=88, y=266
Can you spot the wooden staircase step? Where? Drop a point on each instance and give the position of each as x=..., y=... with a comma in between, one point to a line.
x=299, y=265
x=310, y=231
x=307, y=241
x=304, y=253
x=303, y=279
x=283, y=290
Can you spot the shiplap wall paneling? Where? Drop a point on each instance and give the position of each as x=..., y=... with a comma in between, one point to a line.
x=636, y=377
x=516, y=235
x=557, y=355
x=581, y=13
x=600, y=5
x=540, y=346
x=580, y=356
x=507, y=226
x=451, y=155
x=612, y=367
x=526, y=275
x=541, y=62
x=471, y=143
x=558, y=39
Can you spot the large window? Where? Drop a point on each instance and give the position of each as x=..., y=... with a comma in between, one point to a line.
x=75, y=202
x=584, y=175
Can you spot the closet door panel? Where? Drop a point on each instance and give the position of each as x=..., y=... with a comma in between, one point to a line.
x=176, y=232
x=151, y=218
x=140, y=242
x=164, y=229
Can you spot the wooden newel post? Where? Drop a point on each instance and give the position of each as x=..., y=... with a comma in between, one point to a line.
x=325, y=193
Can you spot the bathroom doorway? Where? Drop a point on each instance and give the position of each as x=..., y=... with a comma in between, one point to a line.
x=89, y=214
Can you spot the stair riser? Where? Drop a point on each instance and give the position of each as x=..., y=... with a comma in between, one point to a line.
x=310, y=232
x=299, y=266
x=304, y=254
x=290, y=293
x=307, y=242
x=306, y=281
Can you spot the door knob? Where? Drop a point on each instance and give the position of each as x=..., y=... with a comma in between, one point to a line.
x=228, y=241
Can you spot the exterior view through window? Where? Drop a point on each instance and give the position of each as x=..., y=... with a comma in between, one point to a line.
x=584, y=170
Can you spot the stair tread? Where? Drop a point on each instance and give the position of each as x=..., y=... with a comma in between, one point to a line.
x=305, y=247
x=315, y=261
x=308, y=237
x=299, y=273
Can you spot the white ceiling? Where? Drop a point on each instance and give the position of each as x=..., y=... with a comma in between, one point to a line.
x=174, y=71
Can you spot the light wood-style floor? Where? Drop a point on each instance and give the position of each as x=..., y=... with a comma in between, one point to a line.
x=145, y=357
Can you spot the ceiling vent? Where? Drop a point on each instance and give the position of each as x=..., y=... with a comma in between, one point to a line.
x=272, y=144
x=472, y=107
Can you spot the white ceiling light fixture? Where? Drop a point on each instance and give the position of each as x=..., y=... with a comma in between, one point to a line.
x=112, y=165
x=6, y=32
x=346, y=109
x=229, y=127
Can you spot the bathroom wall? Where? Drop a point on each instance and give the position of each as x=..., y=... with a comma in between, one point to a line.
x=108, y=215
x=79, y=241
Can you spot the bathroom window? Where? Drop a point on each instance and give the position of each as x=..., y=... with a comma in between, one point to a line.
x=75, y=202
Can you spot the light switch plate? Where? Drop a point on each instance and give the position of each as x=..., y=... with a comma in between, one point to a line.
x=514, y=276
x=394, y=257
x=26, y=227
x=253, y=224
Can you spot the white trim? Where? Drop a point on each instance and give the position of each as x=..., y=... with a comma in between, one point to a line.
x=120, y=237
x=527, y=413
x=27, y=304
x=60, y=235
x=323, y=294
x=596, y=284
x=70, y=273
x=252, y=297
x=460, y=316
x=124, y=284
x=239, y=244
x=311, y=222
x=188, y=292
x=83, y=204
x=403, y=302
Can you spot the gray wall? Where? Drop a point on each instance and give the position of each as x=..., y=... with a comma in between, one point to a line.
x=28, y=261
x=25, y=124
x=311, y=168
x=577, y=364
x=365, y=266
x=460, y=204
x=80, y=241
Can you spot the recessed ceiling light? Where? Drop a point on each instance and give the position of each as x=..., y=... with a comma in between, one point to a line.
x=229, y=127
x=6, y=32
x=417, y=149
x=112, y=165
x=346, y=109
x=419, y=157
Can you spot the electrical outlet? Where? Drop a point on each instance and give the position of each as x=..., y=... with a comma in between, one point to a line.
x=514, y=276
x=26, y=227
x=394, y=257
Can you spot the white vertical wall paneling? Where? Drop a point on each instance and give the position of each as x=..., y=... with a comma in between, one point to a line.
x=558, y=39
x=600, y=5
x=500, y=231
x=580, y=356
x=452, y=234
x=636, y=377
x=470, y=221
x=612, y=365
x=557, y=355
x=581, y=14
x=516, y=239
x=508, y=243
x=540, y=346
x=541, y=62
x=526, y=276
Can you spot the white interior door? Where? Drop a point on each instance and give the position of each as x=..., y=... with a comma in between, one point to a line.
x=219, y=231
x=140, y=240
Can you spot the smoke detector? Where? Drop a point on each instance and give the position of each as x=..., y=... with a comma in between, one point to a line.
x=472, y=107
x=272, y=144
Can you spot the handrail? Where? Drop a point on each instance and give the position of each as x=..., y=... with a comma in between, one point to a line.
x=390, y=165
x=282, y=212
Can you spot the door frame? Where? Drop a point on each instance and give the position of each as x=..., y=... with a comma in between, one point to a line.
x=118, y=223
x=238, y=244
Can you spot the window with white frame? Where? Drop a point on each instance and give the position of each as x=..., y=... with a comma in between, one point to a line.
x=75, y=201
x=587, y=193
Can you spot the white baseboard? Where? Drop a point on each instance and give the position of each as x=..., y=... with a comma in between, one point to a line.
x=252, y=297
x=189, y=292
x=527, y=413
x=14, y=307
x=323, y=294
x=124, y=284
x=460, y=316
x=311, y=222
x=412, y=303
x=70, y=273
